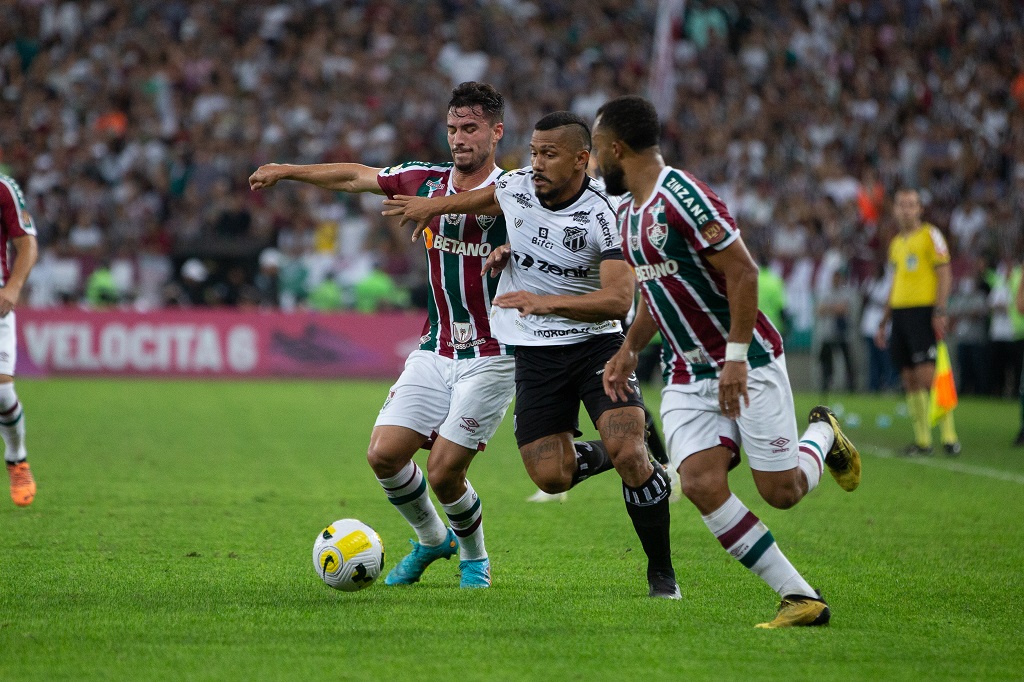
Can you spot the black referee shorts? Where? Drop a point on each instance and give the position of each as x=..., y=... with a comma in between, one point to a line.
x=551, y=381
x=913, y=337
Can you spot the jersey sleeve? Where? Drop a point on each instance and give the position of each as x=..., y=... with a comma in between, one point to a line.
x=392, y=180
x=409, y=178
x=704, y=219
x=940, y=255
x=610, y=237
x=14, y=215
x=506, y=186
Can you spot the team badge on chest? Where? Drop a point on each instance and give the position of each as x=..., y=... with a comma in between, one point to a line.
x=575, y=239
x=657, y=231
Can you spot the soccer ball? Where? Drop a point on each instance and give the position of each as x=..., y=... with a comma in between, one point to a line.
x=348, y=555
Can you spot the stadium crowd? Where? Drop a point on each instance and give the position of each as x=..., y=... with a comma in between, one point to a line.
x=133, y=125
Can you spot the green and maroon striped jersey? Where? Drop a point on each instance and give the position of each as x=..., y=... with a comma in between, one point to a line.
x=457, y=246
x=15, y=220
x=666, y=239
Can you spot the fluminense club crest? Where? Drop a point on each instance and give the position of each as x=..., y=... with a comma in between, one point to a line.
x=485, y=221
x=657, y=231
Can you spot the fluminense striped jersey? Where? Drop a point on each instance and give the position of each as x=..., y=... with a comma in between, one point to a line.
x=457, y=246
x=15, y=220
x=665, y=239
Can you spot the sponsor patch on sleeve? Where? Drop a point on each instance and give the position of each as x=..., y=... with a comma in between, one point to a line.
x=713, y=232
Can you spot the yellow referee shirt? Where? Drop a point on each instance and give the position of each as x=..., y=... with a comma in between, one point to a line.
x=915, y=257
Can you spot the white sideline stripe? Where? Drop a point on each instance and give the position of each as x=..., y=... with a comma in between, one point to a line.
x=957, y=467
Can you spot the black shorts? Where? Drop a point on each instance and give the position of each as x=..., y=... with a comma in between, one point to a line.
x=552, y=380
x=913, y=337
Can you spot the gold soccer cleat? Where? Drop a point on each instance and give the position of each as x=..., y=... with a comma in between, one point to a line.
x=797, y=610
x=843, y=460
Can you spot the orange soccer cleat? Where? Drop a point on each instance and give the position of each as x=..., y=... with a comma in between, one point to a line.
x=23, y=486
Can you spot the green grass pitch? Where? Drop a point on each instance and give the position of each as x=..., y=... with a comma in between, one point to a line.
x=171, y=538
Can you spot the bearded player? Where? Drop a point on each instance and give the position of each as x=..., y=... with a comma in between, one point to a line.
x=725, y=369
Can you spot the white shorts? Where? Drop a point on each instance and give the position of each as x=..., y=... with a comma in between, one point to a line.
x=767, y=429
x=462, y=401
x=8, y=345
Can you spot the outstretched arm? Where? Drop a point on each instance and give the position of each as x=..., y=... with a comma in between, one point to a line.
x=422, y=210
x=611, y=302
x=343, y=177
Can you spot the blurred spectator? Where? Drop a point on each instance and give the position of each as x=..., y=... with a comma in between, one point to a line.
x=1006, y=345
x=191, y=289
x=376, y=291
x=968, y=313
x=870, y=197
x=101, y=290
x=268, y=279
x=882, y=375
x=966, y=223
x=771, y=294
x=835, y=308
x=326, y=295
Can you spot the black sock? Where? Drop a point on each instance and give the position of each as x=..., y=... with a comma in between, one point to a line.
x=648, y=509
x=591, y=460
x=654, y=442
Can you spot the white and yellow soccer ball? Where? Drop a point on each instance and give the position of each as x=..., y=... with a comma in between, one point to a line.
x=348, y=555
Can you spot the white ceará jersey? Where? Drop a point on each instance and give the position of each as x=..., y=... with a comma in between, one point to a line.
x=556, y=250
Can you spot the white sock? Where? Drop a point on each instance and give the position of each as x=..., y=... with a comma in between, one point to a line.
x=815, y=443
x=466, y=518
x=12, y=424
x=749, y=541
x=407, y=490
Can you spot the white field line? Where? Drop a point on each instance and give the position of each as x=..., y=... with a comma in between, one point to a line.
x=948, y=464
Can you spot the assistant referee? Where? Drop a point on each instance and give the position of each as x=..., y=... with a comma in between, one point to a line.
x=917, y=307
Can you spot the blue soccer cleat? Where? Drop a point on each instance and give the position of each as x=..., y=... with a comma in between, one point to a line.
x=409, y=569
x=475, y=573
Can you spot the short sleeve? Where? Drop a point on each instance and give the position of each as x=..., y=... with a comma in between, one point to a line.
x=17, y=221
x=941, y=256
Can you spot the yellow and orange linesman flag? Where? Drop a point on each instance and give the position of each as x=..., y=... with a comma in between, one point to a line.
x=943, y=395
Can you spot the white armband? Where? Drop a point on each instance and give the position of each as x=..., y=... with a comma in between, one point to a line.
x=736, y=352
